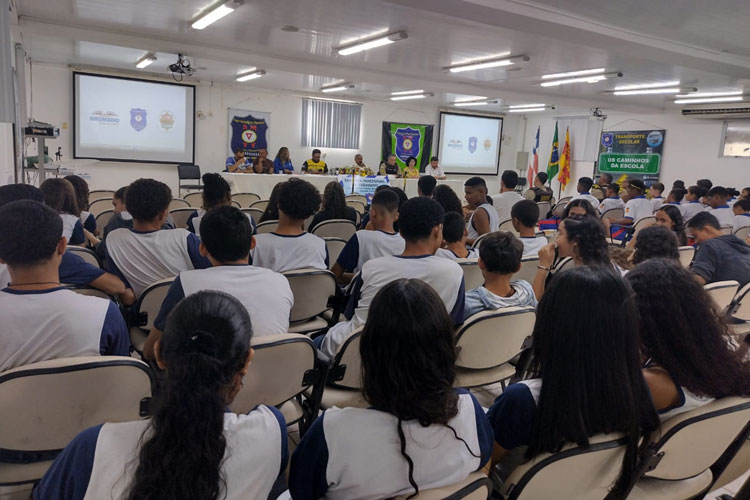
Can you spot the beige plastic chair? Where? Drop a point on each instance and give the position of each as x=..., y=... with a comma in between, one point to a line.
x=686, y=255
x=472, y=274
x=356, y=205
x=178, y=203
x=268, y=226
x=559, y=208
x=478, y=242
x=528, y=269
x=44, y=405
x=245, y=199
x=195, y=200
x=544, y=208
x=278, y=373
x=100, y=205
x=335, y=228
x=260, y=205
x=598, y=193
x=254, y=212
x=236, y=204
x=742, y=233
x=737, y=467
x=103, y=219
x=147, y=308
x=726, y=230
x=311, y=289
x=180, y=216
x=507, y=225
x=345, y=387
x=488, y=341
x=614, y=213
x=334, y=246
x=573, y=472
x=643, y=224
x=687, y=446
x=565, y=199
x=100, y=194
x=86, y=254
x=476, y=486
x=357, y=197
x=722, y=293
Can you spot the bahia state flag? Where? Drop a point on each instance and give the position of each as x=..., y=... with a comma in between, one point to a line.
x=554, y=157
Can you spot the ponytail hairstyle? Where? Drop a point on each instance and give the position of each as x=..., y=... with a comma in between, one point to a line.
x=408, y=352
x=205, y=345
x=81, y=188
x=591, y=236
x=216, y=191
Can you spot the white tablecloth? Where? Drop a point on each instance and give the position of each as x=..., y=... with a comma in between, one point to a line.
x=262, y=184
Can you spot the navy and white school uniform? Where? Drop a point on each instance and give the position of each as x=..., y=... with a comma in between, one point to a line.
x=512, y=413
x=593, y=200
x=690, y=208
x=657, y=202
x=73, y=271
x=194, y=222
x=447, y=253
x=480, y=299
x=283, y=252
x=38, y=325
x=724, y=214
x=494, y=220
x=532, y=244
x=265, y=294
x=72, y=229
x=355, y=453
x=740, y=221
x=101, y=461
x=366, y=245
x=443, y=275
x=142, y=258
x=637, y=208
x=610, y=203
x=89, y=221
x=688, y=401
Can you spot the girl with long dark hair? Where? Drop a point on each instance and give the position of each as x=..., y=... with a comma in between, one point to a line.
x=191, y=447
x=589, y=378
x=684, y=339
x=419, y=431
x=670, y=217
x=334, y=206
x=272, y=209
x=448, y=198
x=81, y=188
x=60, y=196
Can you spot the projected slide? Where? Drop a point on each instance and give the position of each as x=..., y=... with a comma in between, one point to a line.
x=133, y=120
x=470, y=144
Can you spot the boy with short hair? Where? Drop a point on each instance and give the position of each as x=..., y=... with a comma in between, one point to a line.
x=508, y=196
x=291, y=247
x=367, y=244
x=719, y=257
x=692, y=204
x=637, y=206
x=421, y=226
x=454, y=239
x=717, y=206
x=584, y=191
x=41, y=320
x=425, y=185
x=612, y=199
x=146, y=253
x=525, y=215
x=227, y=240
x=656, y=189
x=741, y=211
x=499, y=259
x=484, y=216
x=675, y=196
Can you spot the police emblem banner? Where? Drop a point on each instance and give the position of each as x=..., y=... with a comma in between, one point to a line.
x=405, y=140
x=248, y=132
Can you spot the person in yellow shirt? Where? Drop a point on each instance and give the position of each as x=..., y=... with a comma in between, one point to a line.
x=315, y=165
x=411, y=171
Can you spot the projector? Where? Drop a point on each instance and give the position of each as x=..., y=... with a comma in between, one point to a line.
x=181, y=67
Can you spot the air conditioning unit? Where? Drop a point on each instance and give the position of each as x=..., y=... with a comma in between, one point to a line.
x=718, y=113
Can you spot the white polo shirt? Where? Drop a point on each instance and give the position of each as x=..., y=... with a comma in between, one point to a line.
x=723, y=214
x=503, y=203
x=366, y=245
x=740, y=221
x=611, y=203
x=434, y=172
x=690, y=208
x=282, y=252
x=588, y=197
x=532, y=244
x=637, y=208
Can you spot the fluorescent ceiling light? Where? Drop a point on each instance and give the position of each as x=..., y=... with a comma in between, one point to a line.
x=711, y=94
x=674, y=90
x=709, y=99
x=492, y=63
x=581, y=79
x=526, y=110
x=337, y=87
x=649, y=85
x=574, y=73
x=407, y=92
x=252, y=75
x=412, y=96
x=214, y=13
x=483, y=102
x=330, y=100
x=145, y=61
x=371, y=43
x=521, y=106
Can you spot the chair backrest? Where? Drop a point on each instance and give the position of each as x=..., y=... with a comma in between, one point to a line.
x=245, y=199
x=348, y=357
x=643, y=224
x=44, y=405
x=573, y=472
x=686, y=255
x=544, y=208
x=742, y=233
x=598, y=193
x=358, y=197
x=356, y=205
x=268, y=226
x=473, y=277
x=256, y=213
x=565, y=199
x=476, y=486
x=277, y=372
x=103, y=219
x=260, y=205
x=99, y=194
x=564, y=264
x=528, y=269
x=490, y=338
x=740, y=307
x=311, y=289
x=100, y=205
x=559, y=208
x=86, y=254
x=180, y=216
x=710, y=429
x=236, y=204
x=195, y=200
x=722, y=293
x=191, y=172
x=614, y=213
x=334, y=246
x=726, y=229
x=335, y=228
x=507, y=225
x=478, y=242
x=178, y=203
x=150, y=301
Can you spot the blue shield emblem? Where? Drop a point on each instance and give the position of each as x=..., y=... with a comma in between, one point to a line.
x=472, y=144
x=138, y=119
x=607, y=140
x=407, y=143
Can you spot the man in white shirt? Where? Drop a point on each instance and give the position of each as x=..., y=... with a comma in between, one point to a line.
x=434, y=170
x=584, y=191
x=508, y=197
x=718, y=207
x=612, y=200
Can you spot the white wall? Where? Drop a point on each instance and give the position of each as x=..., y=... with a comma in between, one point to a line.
x=51, y=94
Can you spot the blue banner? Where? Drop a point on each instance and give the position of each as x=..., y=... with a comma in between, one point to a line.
x=248, y=132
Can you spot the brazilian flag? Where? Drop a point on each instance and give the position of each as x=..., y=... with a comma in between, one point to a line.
x=554, y=158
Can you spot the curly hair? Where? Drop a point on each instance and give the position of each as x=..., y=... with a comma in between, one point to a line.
x=683, y=333
x=147, y=198
x=216, y=191
x=655, y=242
x=448, y=198
x=30, y=235
x=678, y=223
x=418, y=217
x=580, y=202
x=334, y=201
x=298, y=199
x=589, y=233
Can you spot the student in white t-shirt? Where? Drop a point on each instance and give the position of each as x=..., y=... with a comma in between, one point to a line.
x=612, y=200
x=216, y=193
x=508, y=197
x=741, y=209
x=60, y=196
x=227, y=240
x=421, y=226
x=655, y=191
x=692, y=204
x=637, y=206
x=192, y=447
x=146, y=253
x=454, y=239
x=584, y=191
x=717, y=206
x=367, y=244
x=414, y=435
x=483, y=218
x=291, y=247
x=41, y=320
x=525, y=215
x=433, y=169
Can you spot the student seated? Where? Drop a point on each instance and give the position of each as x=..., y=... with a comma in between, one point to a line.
x=541, y=192
x=484, y=217
x=508, y=196
x=576, y=360
x=120, y=216
x=454, y=239
x=655, y=191
x=692, y=204
x=415, y=435
x=315, y=165
x=447, y=198
x=612, y=199
x=382, y=240
x=60, y=196
x=227, y=240
x=717, y=206
x=426, y=185
x=499, y=258
x=192, y=446
x=670, y=217
x=145, y=254
x=584, y=191
x=675, y=196
x=422, y=229
x=689, y=358
x=290, y=247
x=41, y=320
x=741, y=209
x=719, y=257
x=272, y=209
x=81, y=188
x=655, y=242
x=334, y=206
x=525, y=215
x=637, y=206
x=216, y=193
